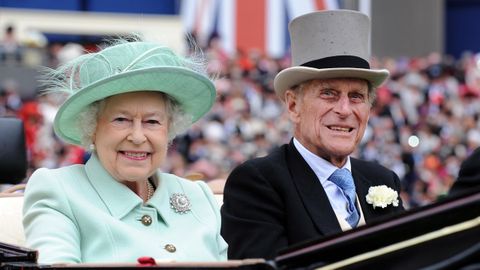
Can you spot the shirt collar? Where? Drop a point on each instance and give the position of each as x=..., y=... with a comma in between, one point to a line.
x=321, y=167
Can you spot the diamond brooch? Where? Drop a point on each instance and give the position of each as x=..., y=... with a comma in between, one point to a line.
x=180, y=203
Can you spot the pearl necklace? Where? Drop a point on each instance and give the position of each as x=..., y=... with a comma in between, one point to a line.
x=150, y=189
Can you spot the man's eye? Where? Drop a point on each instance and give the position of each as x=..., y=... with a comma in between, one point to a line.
x=327, y=93
x=358, y=97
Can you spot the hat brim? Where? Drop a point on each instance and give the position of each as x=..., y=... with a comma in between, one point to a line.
x=293, y=76
x=194, y=92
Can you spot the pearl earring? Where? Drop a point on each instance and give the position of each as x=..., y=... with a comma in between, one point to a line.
x=91, y=147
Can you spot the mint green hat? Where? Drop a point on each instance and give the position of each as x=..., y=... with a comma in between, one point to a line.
x=128, y=67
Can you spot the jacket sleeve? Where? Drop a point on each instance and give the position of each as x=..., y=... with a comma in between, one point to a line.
x=252, y=215
x=46, y=205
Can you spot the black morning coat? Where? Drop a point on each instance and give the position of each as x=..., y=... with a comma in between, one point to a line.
x=276, y=201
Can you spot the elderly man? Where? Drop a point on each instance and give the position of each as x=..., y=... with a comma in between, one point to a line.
x=311, y=187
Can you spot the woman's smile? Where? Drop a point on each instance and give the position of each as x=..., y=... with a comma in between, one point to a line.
x=135, y=155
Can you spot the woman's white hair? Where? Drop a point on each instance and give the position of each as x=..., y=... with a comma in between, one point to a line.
x=178, y=120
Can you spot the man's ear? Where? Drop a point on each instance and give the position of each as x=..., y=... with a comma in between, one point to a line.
x=292, y=104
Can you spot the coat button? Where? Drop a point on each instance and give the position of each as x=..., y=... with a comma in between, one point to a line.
x=146, y=220
x=170, y=248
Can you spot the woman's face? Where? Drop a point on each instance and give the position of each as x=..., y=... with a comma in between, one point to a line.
x=131, y=136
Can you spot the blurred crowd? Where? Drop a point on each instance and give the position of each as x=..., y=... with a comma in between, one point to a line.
x=423, y=125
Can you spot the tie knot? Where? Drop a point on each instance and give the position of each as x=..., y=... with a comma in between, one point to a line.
x=343, y=179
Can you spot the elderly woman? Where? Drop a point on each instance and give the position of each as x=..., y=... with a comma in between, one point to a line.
x=125, y=103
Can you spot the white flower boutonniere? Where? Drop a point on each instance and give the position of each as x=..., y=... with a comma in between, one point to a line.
x=382, y=196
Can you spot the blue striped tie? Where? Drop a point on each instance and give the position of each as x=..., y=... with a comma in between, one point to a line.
x=344, y=180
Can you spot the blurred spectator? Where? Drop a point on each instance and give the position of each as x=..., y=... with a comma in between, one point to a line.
x=68, y=52
x=10, y=48
x=34, y=44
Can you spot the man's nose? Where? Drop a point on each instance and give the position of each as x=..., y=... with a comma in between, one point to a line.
x=343, y=106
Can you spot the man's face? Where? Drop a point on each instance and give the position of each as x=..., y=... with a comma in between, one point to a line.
x=330, y=116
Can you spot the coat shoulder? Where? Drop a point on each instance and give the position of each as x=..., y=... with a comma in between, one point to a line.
x=370, y=167
x=45, y=179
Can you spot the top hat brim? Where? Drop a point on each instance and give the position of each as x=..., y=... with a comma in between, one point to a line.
x=290, y=77
x=195, y=94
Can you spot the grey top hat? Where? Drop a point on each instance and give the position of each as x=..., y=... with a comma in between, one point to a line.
x=326, y=45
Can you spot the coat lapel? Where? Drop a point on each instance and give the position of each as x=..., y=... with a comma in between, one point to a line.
x=118, y=199
x=362, y=184
x=312, y=193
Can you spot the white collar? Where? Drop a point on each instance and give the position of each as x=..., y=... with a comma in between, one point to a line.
x=322, y=168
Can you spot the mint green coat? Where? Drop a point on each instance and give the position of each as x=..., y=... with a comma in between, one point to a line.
x=81, y=214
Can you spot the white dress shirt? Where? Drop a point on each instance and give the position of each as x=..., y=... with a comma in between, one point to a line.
x=323, y=169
